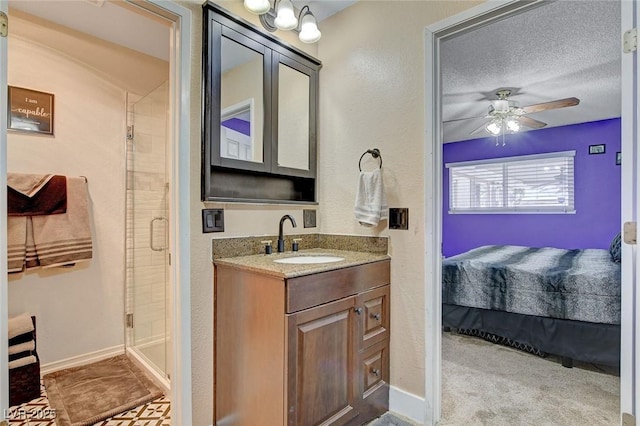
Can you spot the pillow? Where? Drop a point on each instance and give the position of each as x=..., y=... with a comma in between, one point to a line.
x=615, y=249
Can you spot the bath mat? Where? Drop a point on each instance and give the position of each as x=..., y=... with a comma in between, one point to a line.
x=88, y=394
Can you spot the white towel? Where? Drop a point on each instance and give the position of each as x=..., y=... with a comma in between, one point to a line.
x=29, y=346
x=20, y=324
x=371, y=201
x=21, y=362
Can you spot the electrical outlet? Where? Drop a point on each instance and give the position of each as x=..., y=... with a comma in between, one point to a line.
x=398, y=218
x=309, y=217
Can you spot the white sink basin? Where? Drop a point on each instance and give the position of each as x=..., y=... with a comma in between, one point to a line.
x=304, y=260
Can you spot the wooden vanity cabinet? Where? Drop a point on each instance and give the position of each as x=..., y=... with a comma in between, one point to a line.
x=310, y=350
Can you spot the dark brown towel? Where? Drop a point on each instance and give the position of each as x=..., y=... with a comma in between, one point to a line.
x=50, y=199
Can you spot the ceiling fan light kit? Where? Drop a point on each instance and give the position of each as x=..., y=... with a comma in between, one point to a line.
x=507, y=116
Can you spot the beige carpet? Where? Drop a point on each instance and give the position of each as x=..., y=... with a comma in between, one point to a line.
x=85, y=395
x=489, y=384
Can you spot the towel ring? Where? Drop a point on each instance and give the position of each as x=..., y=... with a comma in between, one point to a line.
x=375, y=153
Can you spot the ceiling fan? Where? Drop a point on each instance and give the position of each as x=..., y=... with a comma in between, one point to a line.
x=507, y=116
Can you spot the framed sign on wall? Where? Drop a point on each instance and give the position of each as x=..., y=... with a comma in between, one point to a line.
x=30, y=111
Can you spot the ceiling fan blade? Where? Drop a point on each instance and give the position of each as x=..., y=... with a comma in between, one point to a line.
x=530, y=122
x=482, y=127
x=560, y=103
x=466, y=118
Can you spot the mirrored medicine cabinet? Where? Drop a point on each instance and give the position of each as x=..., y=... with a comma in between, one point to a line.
x=260, y=102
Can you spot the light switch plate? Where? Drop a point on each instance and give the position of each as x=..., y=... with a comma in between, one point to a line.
x=212, y=220
x=309, y=218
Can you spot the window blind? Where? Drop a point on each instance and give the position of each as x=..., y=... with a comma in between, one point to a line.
x=541, y=183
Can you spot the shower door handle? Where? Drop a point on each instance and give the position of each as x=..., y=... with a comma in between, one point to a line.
x=152, y=226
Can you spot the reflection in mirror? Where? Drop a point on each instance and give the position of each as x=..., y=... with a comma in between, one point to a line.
x=241, y=102
x=293, y=118
x=236, y=132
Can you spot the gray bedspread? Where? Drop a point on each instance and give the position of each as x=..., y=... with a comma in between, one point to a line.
x=582, y=285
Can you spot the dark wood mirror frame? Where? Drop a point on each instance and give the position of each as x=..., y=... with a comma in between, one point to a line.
x=227, y=179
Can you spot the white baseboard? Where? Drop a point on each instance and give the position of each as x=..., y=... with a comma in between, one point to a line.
x=83, y=359
x=406, y=404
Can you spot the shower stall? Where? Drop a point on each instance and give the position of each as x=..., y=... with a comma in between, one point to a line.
x=148, y=294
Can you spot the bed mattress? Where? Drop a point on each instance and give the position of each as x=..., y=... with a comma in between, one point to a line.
x=582, y=285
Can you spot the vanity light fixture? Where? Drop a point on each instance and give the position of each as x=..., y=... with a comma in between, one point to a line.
x=283, y=17
x=257, y=6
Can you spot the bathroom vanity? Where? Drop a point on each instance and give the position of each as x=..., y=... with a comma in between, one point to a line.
x=301, y=344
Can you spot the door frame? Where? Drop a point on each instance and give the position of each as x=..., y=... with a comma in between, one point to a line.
x=179, y=193
x=477, y=16
x=4, y=296
x=180, y=90
x=630, y=298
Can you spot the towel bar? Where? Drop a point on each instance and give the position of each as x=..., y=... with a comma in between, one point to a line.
x=375, y=153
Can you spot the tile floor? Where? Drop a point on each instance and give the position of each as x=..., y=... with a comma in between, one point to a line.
x=38, y=413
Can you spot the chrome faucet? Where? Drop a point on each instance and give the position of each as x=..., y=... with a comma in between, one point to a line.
x=280, y=236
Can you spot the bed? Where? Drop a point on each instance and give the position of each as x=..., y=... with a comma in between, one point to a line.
x=561, y=302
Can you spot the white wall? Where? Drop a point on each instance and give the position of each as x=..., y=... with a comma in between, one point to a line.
x=79, y=310
x=372, y=96
x=240, y=220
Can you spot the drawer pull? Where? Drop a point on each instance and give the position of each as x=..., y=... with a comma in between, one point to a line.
x=375, y=372
x=375, y=317
x=358, y=310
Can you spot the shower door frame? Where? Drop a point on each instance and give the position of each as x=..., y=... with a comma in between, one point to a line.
x=135, y=344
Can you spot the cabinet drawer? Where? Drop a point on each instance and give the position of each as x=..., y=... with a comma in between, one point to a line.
x=313, y=290
x=374, y=369
x=373, y=310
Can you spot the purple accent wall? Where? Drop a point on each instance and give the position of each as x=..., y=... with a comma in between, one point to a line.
x=597, y=192
x=239, y=125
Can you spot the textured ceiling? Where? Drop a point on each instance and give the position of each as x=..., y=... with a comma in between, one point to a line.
x=559, y=50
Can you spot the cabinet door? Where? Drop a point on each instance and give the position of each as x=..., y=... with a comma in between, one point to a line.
x=372, y=308
x=294, y=106
x=321, y=364
x=238, y=125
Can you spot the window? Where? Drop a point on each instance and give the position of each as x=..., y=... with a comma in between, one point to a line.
x=541, y=183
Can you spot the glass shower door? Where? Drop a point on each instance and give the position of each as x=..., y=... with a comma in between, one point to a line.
x=148, y=230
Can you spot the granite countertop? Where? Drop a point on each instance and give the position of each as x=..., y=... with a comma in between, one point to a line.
x=264, y=263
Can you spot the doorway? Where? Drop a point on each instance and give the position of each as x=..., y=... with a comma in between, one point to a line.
x=475, y=18
x=179, y=19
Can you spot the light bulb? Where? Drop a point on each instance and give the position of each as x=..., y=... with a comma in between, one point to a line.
x=259, y=7
x=309, y=32
x=513, y=125
x=494, y=128
x=285, y=19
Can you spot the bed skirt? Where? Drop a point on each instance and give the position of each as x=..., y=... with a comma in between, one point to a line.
x=581, y=341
